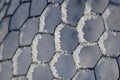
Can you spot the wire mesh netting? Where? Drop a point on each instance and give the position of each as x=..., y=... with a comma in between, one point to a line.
x=59, y=39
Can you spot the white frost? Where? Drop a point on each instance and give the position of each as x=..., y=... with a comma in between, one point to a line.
x=101, y=42
x=57, y=37
x=42, y=19
x=21, y=37
x=15, y=61
x=81, y=24
x=52, y=63
x=88, y=7
x=18, y=78
x=76, y=54
x=64, y=10
x=1, y=51
x=34, y=47
x=87, y=16
x=106, y=14
x=31, y=70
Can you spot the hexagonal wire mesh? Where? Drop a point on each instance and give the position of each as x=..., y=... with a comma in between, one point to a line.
x=59, y=39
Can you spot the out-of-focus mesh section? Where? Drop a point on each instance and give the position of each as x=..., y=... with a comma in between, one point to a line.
x=59, y=39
